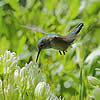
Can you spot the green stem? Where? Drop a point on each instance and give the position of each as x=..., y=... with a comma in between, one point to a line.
x=81, y=87
x=3, y=90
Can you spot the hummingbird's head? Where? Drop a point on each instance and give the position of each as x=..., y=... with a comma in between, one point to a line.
x=43, y=43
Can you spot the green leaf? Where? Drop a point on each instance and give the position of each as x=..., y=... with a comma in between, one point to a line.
x=73, y=9
x=14, y=4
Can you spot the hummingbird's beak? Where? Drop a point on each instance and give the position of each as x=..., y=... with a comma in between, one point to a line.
x=38, y=55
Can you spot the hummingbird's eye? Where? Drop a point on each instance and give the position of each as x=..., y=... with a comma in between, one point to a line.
x=42, y=44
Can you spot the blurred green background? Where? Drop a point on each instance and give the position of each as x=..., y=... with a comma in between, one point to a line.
x=63, y=73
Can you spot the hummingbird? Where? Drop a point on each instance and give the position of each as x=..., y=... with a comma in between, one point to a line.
x=56, y=41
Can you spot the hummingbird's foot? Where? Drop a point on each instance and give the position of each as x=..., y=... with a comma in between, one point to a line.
x=64, y=52
x=60, y=52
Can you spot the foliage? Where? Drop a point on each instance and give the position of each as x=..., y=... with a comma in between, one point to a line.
x=72, y=76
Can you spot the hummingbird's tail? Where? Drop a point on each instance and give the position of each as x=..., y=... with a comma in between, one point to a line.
x=76, y=30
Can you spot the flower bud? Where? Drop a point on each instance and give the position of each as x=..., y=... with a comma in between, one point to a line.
x=41, y=91
x=93, y=81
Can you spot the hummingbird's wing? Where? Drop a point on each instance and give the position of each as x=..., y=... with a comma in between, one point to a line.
x=35, y=28
x=61, y=42
x=67, y=39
